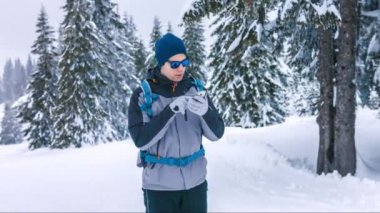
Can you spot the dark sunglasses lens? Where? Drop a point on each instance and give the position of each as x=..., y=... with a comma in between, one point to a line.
x=174, y=64
x=186, y=63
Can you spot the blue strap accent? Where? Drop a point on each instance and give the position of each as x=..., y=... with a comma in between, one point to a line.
x=198, y=84
x=179, y=162
x=149, y=98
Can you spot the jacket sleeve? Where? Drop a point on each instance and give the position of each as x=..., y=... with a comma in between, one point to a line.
x=212, y=123
x=146, y=133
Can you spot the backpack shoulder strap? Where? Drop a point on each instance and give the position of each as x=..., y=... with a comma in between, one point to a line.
x=149, y=98
x=198, y=84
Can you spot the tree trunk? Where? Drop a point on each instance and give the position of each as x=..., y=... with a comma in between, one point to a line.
x=345, y=154
x=326, y=115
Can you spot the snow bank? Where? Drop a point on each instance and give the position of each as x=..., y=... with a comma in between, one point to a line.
x=263, y=169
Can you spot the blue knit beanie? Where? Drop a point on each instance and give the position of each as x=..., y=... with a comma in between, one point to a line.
x=167, y=46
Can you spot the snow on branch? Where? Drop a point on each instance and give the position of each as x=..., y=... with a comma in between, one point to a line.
x=327, y=7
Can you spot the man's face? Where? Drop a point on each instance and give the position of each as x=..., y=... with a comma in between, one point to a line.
x=174, y=74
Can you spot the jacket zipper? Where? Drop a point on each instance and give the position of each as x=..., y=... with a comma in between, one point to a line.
x=174, y=86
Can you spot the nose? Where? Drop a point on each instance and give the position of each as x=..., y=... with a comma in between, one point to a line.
x=181, y=68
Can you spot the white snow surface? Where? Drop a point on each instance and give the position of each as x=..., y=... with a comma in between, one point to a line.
x=261, y=169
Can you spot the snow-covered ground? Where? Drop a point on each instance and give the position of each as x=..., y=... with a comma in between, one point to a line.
x=263, y=169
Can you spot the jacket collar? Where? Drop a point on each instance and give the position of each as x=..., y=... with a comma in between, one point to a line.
x=154, y=74
x=162, y=85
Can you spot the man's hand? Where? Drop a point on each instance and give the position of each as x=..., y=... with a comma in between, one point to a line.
x=198, y=105
x=179, y=104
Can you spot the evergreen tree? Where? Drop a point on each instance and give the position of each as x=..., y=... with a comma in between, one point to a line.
x=9, y=83
x=154, y=36
x=336, y=68
x=312, y=58
x=247, y=82
x=130, y=31
x=344, y=146
x=368, y=54
x=60, y=47
x=82, y=108
x=139, y=52
x=376, y=97
x=2, y=93
x=36, y=113
x=10, y=128
x=193, y=38
x=140, y=56
x=296, y=26
x=14, y=80
x=29, y=69
x=20, y=78
x=120, y=77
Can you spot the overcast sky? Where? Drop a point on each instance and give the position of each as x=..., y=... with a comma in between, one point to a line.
x=18, y=19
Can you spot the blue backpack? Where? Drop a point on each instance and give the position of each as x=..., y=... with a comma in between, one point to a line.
x=149, y=98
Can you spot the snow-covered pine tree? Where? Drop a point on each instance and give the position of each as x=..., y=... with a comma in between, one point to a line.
x=36, y=112
x=368, y=49
x=193, y=38
x=154, y=36
x=8, y=83
x=310, y=27
x=10, y=128
x=247, y=82
x=140, y=56
x=139, y=52
x=20, y=78
x=60, y=48
x=336, y=117
x=296, y=24
x=376, y=97
x=130, y=26
x=82, y=112
x=121, y=74
x=29, y=69
x=14, y=80
x=130, y=31
x=345, y=150
x=1, y=91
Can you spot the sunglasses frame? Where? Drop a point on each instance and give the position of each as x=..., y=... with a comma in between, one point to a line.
x=173, y=64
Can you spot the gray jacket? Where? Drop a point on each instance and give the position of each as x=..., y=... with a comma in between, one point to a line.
x=171, y=135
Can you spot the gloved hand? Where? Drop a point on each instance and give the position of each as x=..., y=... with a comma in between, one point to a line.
x=198, y=105
x=179, y=104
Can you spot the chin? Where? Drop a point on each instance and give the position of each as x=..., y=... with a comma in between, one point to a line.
x=178, y=79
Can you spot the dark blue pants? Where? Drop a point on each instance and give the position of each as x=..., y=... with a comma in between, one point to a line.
x=191, y=200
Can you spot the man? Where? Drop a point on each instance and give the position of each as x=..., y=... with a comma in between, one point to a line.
x=167, y=118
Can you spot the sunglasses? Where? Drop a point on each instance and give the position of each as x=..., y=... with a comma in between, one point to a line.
x=176, y=64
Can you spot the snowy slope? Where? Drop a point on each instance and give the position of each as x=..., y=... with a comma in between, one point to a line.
x=263, y=169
